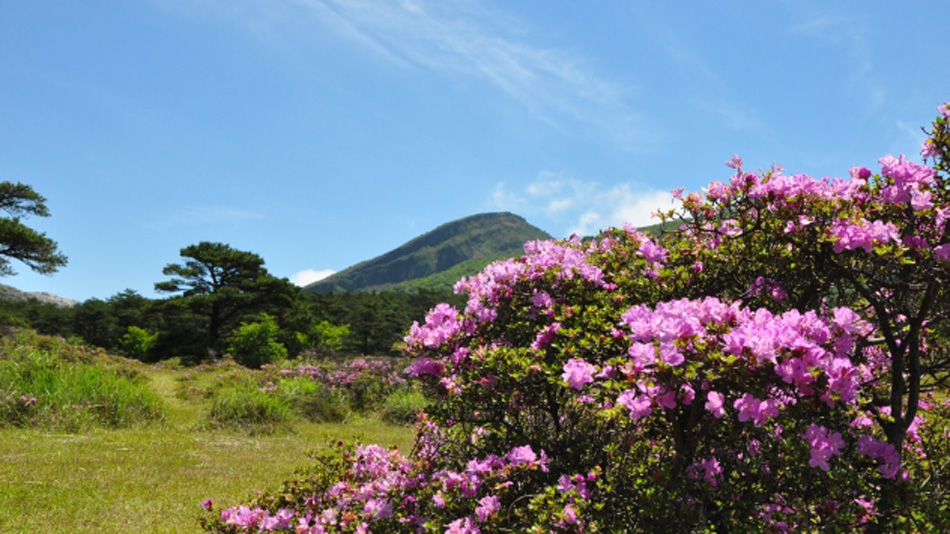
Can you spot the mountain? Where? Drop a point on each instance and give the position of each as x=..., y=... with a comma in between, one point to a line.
x=457, y=248
x=12, y=293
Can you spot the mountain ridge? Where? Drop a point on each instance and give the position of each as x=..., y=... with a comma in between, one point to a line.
x=484, y=235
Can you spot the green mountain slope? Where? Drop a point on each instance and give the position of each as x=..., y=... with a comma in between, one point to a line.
x=455, y=249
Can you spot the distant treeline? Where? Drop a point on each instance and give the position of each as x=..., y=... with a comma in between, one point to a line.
x=376, y=322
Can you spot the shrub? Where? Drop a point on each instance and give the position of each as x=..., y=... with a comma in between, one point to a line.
x=403, y=406
x=255, y=344
x=776, y=364
x=314, y=401
x=249, y=409
x=366, y=382
x=137, y=342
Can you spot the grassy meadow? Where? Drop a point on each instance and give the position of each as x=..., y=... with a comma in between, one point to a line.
x=70, y=464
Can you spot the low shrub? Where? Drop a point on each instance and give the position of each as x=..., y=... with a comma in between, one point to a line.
x=403, y=406
x=366, y=382
x=255, y=344
x=314, y=401
x=138, y=342
x=250, y=409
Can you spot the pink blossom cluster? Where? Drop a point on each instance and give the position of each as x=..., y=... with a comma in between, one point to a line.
x=565, y=259
x=883, y=452
x=382, y=480
x=824, y=445
x=857, y=223
x=257, y=519
x=442, y=323
x=343, y=376
x=707, y=469
x=802, y=350
x=910, y=183
x=861, y=234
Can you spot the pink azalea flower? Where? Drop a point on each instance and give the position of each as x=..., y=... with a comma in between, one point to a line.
x=639, y=405
x=714, y=402
x=578, y=372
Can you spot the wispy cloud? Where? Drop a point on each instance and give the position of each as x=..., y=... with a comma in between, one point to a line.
x=461, y=38
x=704, y=88
x=206, y=215
x=851, y=36
x=572, y=206
x=309, y=276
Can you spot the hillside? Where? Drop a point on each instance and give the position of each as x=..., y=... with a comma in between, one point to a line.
x=477, y=239
x=12, y=293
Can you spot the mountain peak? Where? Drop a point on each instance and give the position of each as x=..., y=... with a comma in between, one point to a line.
x=482, y=236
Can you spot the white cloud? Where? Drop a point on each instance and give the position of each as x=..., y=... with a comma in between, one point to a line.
x=458, y=39
x=572, y=206
x=309, y=276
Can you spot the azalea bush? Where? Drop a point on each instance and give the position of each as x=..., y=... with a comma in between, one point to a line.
x=366, y=382
x=777, y=363
x=267, y=399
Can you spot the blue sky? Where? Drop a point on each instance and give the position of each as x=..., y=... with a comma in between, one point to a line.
x=321, y=133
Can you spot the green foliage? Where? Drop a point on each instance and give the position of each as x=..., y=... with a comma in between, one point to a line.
x=255, y=344
x=377, y=320
x=445, y=280
x=223, y=285
x=247, y=408
x=324, y=336
x=45, y=318
x=314, y=401
x=137, y=342
x=20, y=242
x=403, y=406
x=47, y=383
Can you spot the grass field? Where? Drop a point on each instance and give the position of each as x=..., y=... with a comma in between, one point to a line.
x=153, y=478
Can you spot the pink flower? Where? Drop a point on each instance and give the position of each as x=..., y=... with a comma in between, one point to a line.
x=944, y=109
x=884, y=452
x=541, y=300
x=546, y=336
x=735, y=162
x=570, y=516
x=487, y=506
x=578, y=372
x=521, y=455
x=639, y=405
x=466, y=525
x=707, y=468
x=824, y=445
x=757, y=410
x=714, y=402
x=425, y=366
x=687, y=394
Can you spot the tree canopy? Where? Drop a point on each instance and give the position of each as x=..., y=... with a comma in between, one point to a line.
x=20, y=242
x=222, y=285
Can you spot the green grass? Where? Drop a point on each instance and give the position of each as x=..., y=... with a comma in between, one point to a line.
x=249, y=408
x=48, y=383
x=153, y=478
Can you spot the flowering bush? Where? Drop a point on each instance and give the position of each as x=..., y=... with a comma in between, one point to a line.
x=775, y=364
x=367, y=382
